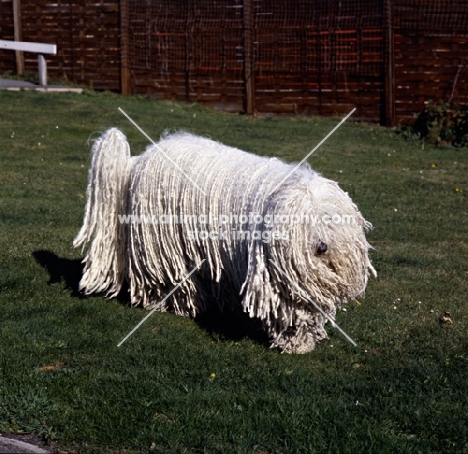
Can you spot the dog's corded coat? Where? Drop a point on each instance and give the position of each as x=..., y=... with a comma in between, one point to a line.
x=133, y=226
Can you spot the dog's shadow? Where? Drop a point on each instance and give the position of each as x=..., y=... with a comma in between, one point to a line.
x=230, y=326
x=69, y=272
x=61, y=270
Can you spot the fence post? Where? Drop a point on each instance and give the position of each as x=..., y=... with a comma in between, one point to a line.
x=19, y=56
x=248, y=57
x=389, y=66
x=124, y=48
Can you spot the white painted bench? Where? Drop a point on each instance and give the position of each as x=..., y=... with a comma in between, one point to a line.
x=38, y=48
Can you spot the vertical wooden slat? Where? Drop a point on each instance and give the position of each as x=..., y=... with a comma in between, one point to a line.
x=248, y=57
x=188, y=38
x=389, y=66
x=320, y=70
x=125, y=87
x=19, y=56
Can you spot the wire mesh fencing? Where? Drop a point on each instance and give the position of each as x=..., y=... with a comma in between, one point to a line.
x=384, y=57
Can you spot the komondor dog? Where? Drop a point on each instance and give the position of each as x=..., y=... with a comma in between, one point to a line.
x=286, y=246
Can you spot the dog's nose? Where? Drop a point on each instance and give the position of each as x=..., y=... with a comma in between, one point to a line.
x=322, y=248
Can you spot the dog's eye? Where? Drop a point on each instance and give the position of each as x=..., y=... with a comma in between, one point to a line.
x=322, y=248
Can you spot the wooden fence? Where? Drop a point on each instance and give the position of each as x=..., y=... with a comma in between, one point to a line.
x=384, y=57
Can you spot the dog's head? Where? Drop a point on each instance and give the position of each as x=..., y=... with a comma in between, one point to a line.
x=326, y=250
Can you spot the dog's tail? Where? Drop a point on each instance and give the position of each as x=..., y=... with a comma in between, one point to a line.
x=108, y=180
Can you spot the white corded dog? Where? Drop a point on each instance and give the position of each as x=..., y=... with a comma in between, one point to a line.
x=286, y=252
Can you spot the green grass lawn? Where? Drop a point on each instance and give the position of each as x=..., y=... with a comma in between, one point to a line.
x=180, y=386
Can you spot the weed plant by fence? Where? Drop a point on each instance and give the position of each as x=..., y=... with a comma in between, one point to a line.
x=384, y=57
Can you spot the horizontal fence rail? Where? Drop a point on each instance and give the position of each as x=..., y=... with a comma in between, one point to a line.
x=384, y=57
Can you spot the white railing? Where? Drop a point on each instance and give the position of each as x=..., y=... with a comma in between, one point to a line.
x=38, y=48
